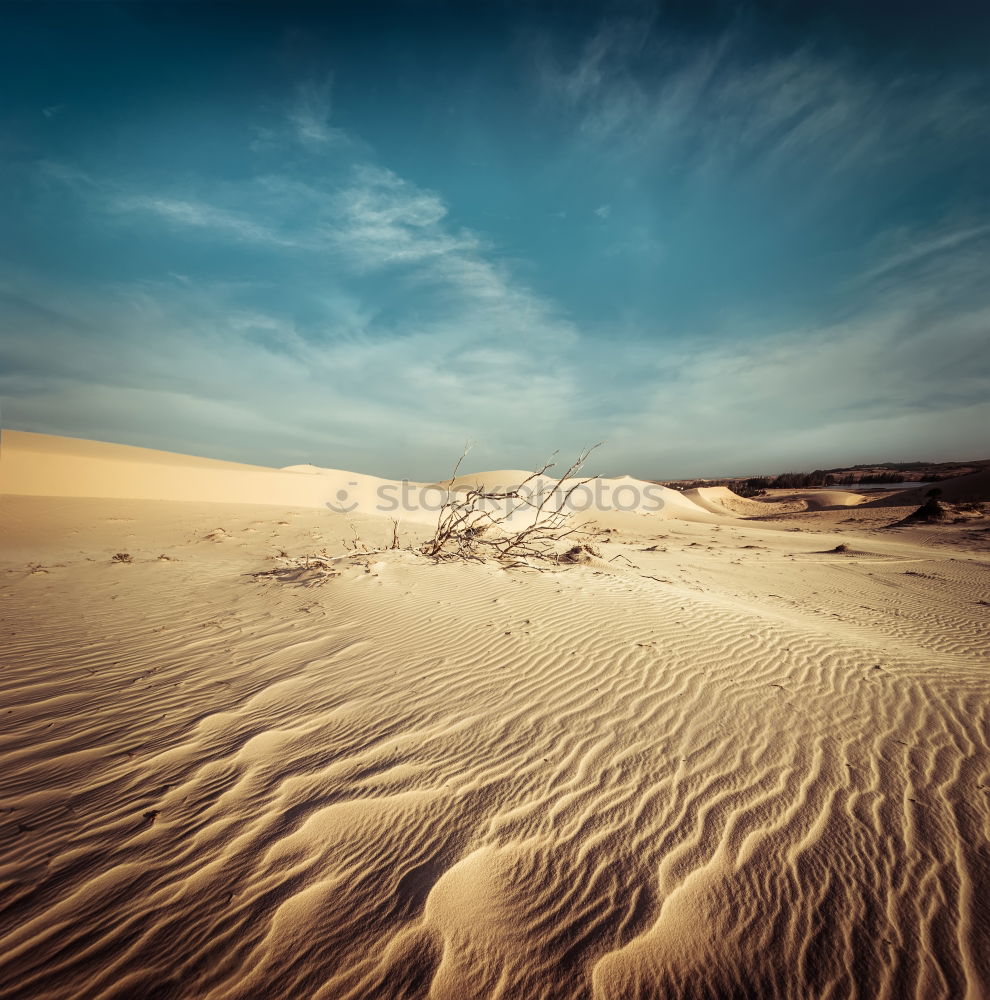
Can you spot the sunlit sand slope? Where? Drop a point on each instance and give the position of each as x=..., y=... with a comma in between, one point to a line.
x=44, y=465
x=721, y=500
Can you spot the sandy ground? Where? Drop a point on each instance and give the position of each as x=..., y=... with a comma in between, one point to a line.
x=732, y=763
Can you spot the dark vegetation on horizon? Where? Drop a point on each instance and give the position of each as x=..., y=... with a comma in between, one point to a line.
x=876, y=474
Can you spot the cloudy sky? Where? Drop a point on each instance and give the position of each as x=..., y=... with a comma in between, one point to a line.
x=725, y=239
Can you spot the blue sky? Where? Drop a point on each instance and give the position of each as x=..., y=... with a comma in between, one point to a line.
x=725, y=239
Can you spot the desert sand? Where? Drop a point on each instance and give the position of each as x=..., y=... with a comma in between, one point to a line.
x=724, y=758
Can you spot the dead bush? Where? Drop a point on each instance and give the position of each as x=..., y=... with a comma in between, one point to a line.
x=476, y=524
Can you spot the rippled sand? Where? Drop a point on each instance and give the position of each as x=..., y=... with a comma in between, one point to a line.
x=744, y=766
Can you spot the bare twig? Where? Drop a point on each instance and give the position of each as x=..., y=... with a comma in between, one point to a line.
x=358, y=541
x=627, y=559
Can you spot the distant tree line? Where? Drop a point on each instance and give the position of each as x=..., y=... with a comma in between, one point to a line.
x=790, y=481
x=820, y=477
x=898, y=466
x=877, y=477
x=758, y=485
x=739, y=487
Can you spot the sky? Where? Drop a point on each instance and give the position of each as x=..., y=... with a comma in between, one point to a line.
x=723, y=238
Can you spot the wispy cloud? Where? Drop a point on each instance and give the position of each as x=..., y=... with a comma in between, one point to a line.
x=380, y=219
x=309, y=115
x=906, y=250
x=200, y=215
x=633, y=90
x=374, y=222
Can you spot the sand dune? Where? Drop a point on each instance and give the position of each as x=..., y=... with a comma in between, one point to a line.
x=721, y=500
x=492, y=479
x=42, y=465
x=614, y=503
x=824, y=499
x=732, y=763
